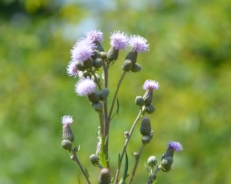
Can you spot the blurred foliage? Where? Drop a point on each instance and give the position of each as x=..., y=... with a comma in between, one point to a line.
x=190, y=43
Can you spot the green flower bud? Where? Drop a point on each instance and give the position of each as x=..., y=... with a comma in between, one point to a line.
x=149, y=108
x=66, y=144
x=103, y=94
x=97, y=63
x=103, y=55
x=93, y=97
x=152, y=161
x=112, y=54
x=127, y=65
x=145, y=127
x=168, y=153
x=99, y=47
x=148, y=96
x=139, y=101
x=166, y=164
x=80, y=66
x=132, y=56
x=136, y=67
x=146, y=139
x=104, y=176
x=126, y=134
x=88, y=63
x=98, y=107
x=94, y=159
x=67, y=133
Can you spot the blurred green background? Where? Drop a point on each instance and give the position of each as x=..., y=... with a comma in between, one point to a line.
x=190, y=57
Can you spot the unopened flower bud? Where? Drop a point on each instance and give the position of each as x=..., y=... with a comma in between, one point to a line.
x=136, y=67
x=126, y=134
x=97, y=63
x=93, y=97
x=166, y=164
x=88, y=63
x=127, y=65
x=94, y=159
x=146, y=139
x=145, y=127
x=67, y=132
x=80, y=66
x=104, y=176
x=103, y=94
x=112, y=54
x=132, y=56
x=103, y=55
x=148, y=96
x=136, y=155
x=149, y=108
x=66, y=144
x=98, y=107
x=139, y=101
x=152, y=161
x=98, y=45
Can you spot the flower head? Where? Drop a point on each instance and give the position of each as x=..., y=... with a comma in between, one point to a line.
x=85, y=87
x=82, y=50
x=176, y=146
x=119, y=40
x=94, y=35
x=72, y=69
x=150, y=84
x=67, y=120
x=138, y=43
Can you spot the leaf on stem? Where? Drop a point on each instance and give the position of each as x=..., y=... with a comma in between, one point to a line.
x=125, y=173
x=117, y=109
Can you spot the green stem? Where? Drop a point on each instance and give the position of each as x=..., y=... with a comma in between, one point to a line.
x=152, y=176
x=115, y=95
x=136, y=163
x=106, y=120
x=125, y=146
x=75, y=158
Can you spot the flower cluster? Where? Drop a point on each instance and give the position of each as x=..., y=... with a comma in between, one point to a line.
x=88, y=58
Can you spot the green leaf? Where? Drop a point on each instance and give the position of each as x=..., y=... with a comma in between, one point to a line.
x=87, y=174
x=117, y=110
x=125, y=173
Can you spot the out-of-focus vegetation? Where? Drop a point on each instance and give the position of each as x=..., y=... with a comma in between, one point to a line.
x=190, y=56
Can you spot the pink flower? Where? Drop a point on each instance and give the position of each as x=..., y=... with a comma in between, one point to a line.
x=150, y=84
x=72, y=69
x=67, y=120
x=119, y=40
x=94, y=35
x=85, y=87
x=138, y=43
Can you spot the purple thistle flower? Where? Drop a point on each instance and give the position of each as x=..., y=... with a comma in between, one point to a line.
x=150, y=84
x=94, y=35
x=82, y=50
x=176, y=146
x=67, y=120
x=72, y=69
x=85, y=87
x=119, y=40
x=138, y=43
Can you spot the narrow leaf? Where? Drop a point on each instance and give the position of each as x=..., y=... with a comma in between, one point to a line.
x=117, y=110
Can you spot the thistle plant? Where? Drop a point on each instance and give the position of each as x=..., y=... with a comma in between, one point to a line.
x=88, y=62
